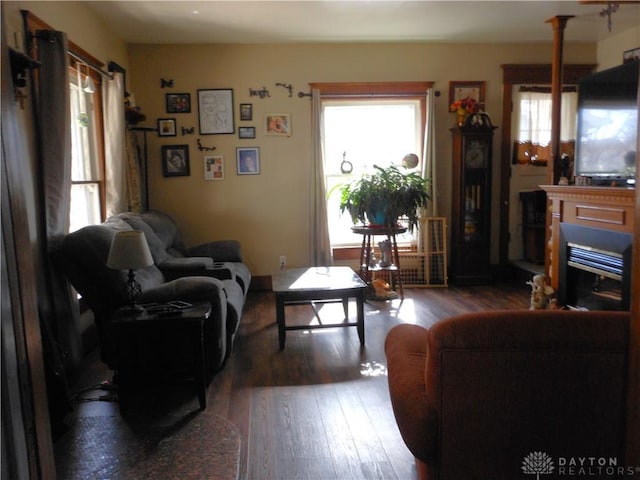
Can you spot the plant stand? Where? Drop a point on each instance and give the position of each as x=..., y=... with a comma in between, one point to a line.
x=367, y=270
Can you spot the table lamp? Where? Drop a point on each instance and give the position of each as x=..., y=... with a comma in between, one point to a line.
x=130, y=251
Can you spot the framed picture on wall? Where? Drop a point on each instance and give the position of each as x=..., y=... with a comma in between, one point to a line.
x=278, y=124
x=246, y=132
x=214, y=168
x=248, y=160
x=178, y=102
x=215, y=111
x=471, y=89
x=246, y=111
x=166, y=127
x=175, y=160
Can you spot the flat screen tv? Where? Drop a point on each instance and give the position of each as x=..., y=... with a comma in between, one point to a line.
x=607, y=136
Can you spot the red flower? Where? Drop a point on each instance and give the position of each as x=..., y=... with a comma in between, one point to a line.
x=466, y=105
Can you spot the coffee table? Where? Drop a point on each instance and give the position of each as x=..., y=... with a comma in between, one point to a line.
x=316, y=285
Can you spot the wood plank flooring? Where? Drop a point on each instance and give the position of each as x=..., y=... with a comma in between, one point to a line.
x=320, y=409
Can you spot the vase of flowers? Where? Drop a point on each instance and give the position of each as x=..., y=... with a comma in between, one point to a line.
x=464, y=107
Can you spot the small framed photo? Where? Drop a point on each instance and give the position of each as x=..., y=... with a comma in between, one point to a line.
x=248, y=160
x=246, y=111
x=214, y=168
x=278, y=124
x=471, y=89
x=215, y=111
x=178, y=102
x=166, y=127
x=246, y=132
x=175, y=160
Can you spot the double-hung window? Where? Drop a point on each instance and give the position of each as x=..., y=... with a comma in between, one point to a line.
x=87, y=189
x=360, y=131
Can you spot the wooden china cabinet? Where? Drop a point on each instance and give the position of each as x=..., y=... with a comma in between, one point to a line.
x=471, y=204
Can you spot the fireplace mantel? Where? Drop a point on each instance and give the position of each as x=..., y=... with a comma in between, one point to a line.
x=608, y=208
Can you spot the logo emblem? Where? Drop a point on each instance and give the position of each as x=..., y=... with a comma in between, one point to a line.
x=537, y=463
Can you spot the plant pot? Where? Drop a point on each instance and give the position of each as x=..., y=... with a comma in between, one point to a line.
x=376, y=218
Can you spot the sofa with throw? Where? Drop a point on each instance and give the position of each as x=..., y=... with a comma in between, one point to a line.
x=505, y=395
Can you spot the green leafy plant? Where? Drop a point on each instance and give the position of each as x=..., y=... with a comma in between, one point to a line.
x=385, y=196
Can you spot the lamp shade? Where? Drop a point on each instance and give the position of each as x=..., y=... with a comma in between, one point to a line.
x=129, y=251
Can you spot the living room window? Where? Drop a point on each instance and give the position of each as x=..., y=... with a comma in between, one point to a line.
x=88, y=193
x=532, y=114
x=364, y=133
x=363, y=127
x=86, y=151
x=87, y=166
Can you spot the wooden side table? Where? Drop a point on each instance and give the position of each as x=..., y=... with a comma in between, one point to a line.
x=133, y=331
x=366, y=269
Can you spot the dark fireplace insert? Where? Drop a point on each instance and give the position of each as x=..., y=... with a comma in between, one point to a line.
x=595, y=268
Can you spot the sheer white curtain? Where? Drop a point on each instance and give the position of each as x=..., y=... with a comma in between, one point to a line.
x=114, y=139
x=532, y=111
x=320, y=243
x=429, y=154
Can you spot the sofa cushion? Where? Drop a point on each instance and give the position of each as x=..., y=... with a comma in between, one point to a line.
x=157, y=247
x=167, y=231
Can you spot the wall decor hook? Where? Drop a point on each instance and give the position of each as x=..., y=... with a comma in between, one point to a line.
x=166, y=83
x=288, y=86
x=203, y=148
x=188, y=131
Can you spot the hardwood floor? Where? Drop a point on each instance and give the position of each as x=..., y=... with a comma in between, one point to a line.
x=320, y=409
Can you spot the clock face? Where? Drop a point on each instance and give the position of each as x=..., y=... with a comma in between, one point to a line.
x=475, y=154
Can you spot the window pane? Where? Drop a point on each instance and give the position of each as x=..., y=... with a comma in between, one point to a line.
x=365, y=133
x=85, y=172
x=83, y=135
x=534, y=117
x=85, y=205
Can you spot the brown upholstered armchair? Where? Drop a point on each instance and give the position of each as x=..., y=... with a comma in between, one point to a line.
x=475, y=395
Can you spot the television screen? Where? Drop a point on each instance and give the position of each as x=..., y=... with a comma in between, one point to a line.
x=607, y=136
x=607, y=141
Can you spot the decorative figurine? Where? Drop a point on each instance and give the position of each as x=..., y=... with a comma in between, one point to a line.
x=540, y=293
x=385, y=253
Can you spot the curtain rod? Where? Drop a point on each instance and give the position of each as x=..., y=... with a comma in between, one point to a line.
x=88, y=64
x=372, y=95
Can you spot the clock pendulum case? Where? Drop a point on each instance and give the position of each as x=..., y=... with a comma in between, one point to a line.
x=471, y=204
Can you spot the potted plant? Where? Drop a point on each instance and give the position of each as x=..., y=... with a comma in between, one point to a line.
x=385, y=196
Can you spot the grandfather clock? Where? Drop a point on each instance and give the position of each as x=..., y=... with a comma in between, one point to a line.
x=471, y=203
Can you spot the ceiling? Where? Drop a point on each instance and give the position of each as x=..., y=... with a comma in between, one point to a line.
x=175, y=21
